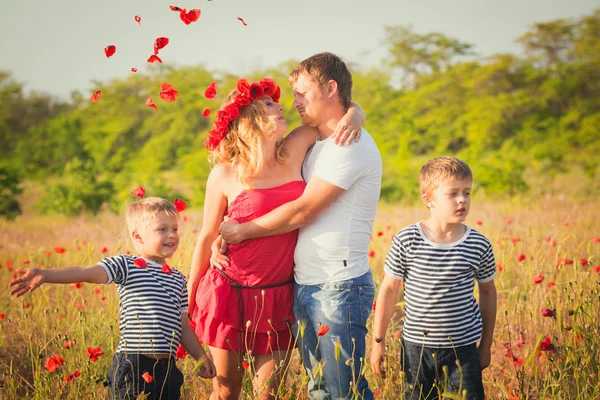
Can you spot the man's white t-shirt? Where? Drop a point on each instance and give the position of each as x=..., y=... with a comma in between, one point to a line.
x=335, y=246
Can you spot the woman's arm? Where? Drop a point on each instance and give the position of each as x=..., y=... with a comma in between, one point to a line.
x=32, y=278
x=215, y=204
x=350, y=126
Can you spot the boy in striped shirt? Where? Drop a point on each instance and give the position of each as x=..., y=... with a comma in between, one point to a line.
x=153, y=304
x=439, y=260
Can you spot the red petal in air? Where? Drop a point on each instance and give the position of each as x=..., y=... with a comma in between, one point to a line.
x=160, y=43
x=154, y=58
x=167, y=269
x=180, y=205
x=243, y=22
x=139, y=192
x=133, y=69
x=96, y=96
x=168, y=93
x=150, y=104
x=206, y=113
x=174, y=8
x=138, y=19
x=110, y=50
x=192, y=15
x=140, y=263
x=211, y=91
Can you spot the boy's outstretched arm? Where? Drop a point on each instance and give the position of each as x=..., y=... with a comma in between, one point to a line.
x=487, y=306
x=32, y=278
x=190, y=343
x=384, y=310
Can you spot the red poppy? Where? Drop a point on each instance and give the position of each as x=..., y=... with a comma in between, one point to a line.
x=26, y=304
x=242, y=20
x=584, y=261
x=518, y=361
x=53, y=363
x=546, y=344
x=140, y=263
x=105, y=250
x=68, y=344
x=139, y=191
x=380, y=233
x=245, y=364
x=521, y=257
x=323, y=329
x=508, y=221
x=77, y=285
x=515, y=239
x=211, y=91
x=96, y=96
x=94, y=352
x=154, y=58
x=546, y=312
x=256, y=91
x=479, y=223
x=110, y=50
x=568, y=261
x=133, y=69
x=26, y=261
x=59, y=250
x=75, y=374
x=597, y=269
x=372, y=253
x=539, y=278
x=150, y=104
x=180, y=353
x=550, y=285
x=206, y=113
x=168, y=93
x=180, y=205
x=138, y=19
x=397, y=335
x=597, y=240
x=147, y=377
x=166, y=269
x=79, y=305
x=2, y=316
x=499, y=267
x=159, y=44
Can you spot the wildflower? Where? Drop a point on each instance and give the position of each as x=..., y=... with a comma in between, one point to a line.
x=539, y=278
x=597, y=269
x=546, y=312
x=521, y=257
x=567, y=223
x=2, y=316
x=97, y=291
x=372, y=253
x=94, y=352
x=518, y=361
x=75, y=374
x=53, y=363
x=323, y=329
x=26, y=261
x=48, y=253
x=515, y=240
x=245, y=364
x=26, y=304
x=568, y=261
x=147, y=377
x=77, y=285
x=584, y=261
x=499, y=267
x=68, y=344
x=546, y=344
x=479, y=223
x=79, y=305
x=550, y=285
x=59, y=250
x=380, y=233
x=397, y=335
x=139, y=192
x=181, y=353
x=105, y=250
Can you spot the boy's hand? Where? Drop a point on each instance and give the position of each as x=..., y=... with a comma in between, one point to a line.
x=485, y=356
x=377, y=358
x=30, y=280
x=208, y=370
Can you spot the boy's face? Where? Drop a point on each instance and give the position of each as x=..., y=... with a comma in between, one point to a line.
x=451, y=201
x=159, y=239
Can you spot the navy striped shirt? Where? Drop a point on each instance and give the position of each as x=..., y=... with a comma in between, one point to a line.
x=151, y=303
x=439, y=280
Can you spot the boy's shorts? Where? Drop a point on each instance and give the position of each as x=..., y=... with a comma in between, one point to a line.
x=423, y=367
x=126, y=381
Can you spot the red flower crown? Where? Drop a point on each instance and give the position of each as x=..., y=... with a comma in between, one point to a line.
x=246, y=94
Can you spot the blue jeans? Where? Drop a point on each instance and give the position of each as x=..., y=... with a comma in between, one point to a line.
x=425, y=375
x=344, y=307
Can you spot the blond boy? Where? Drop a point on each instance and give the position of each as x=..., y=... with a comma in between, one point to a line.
x=439, y=260
x=153, y=304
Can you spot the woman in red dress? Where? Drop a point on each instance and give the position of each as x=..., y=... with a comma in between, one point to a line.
x=243, y=311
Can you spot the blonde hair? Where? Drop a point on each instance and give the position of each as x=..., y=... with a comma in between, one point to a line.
x=140, y=213
x=322, y=68
x=441, y=169
x=243, y=145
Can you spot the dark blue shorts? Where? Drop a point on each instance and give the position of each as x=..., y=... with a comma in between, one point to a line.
x=425, y=372
x=126, y=381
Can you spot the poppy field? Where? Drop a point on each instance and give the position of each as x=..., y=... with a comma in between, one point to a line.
x=57, y=342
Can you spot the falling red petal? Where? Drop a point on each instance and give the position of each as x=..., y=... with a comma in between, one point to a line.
x=150, y=104
x=180, y=205
x=140, y=263
x=160, y=43
x=110, y=50
x=138, y=19
x=133, y=69
x=193, y=15
x=243, y=22
x=211, y=91
x=139, y=192
x=153, y=58
x=206, y=113
x=96, y=96
x=174, y=8
x=168, y=93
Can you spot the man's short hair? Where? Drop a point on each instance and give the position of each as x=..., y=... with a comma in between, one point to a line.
x=322, y=68
x=441, y=169
x=140, y=213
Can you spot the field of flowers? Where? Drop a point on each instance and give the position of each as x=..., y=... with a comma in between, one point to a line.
x=57, y=343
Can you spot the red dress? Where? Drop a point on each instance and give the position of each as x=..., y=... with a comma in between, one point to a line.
x=263, y=270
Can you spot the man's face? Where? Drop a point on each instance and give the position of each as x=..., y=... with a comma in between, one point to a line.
x=309, y=100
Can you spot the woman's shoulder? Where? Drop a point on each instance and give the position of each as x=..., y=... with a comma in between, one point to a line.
x=302, y=133
x=222, y=170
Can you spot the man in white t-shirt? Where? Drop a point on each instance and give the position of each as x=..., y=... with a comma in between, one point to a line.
x=334, y=287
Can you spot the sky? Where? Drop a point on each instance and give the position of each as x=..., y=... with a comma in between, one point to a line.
x=57, y=46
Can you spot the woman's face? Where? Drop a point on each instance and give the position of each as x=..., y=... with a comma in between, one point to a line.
x=275, y=110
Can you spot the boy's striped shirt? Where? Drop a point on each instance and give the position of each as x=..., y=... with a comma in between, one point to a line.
x=151, y=303
x=439, y=280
